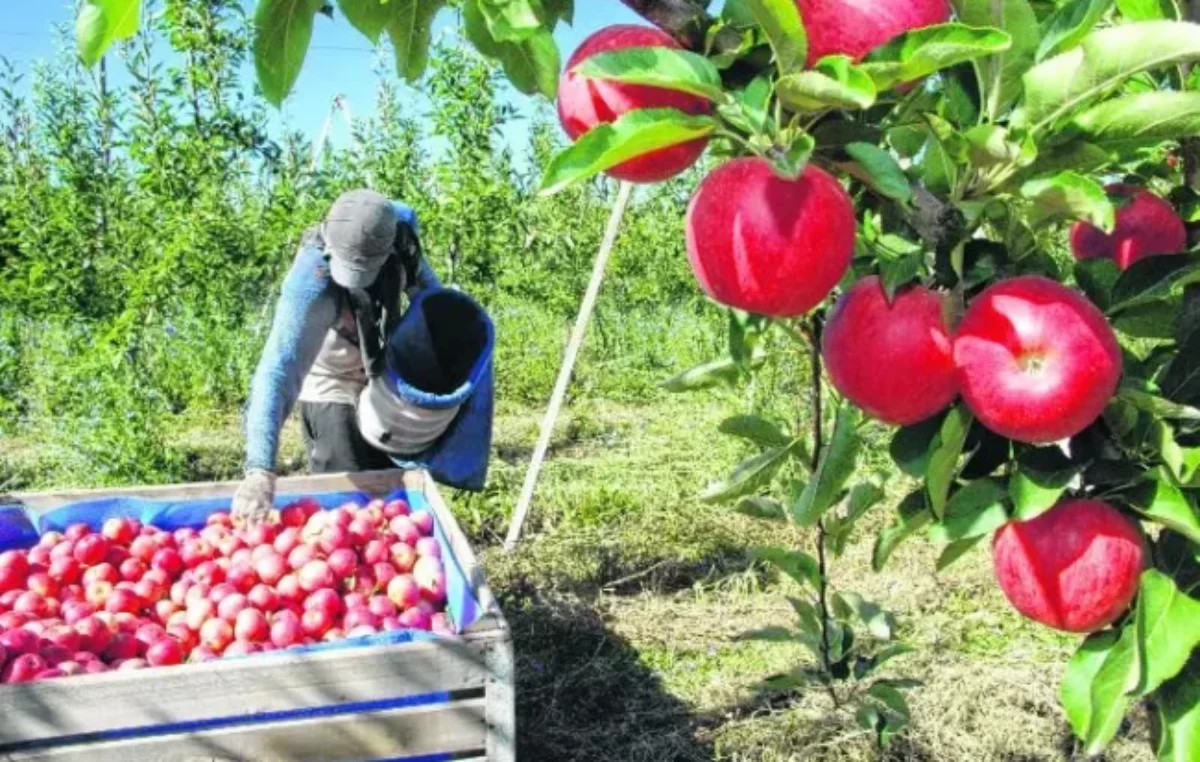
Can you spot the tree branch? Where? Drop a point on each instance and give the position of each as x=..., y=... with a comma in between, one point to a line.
x=687, y=21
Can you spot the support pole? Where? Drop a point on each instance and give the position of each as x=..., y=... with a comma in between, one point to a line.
x=564, y=373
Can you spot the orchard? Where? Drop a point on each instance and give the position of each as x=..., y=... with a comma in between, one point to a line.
x=975, y=219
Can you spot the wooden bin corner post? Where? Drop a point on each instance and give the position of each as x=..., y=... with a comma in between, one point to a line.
x=568, y=365
x=443, y=697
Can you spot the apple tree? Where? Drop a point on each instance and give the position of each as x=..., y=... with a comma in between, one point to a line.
x=973, y=218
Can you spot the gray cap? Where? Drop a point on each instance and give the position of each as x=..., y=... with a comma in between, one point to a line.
x=359, y=232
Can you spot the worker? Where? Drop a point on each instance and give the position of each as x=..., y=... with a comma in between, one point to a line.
x=378, y=386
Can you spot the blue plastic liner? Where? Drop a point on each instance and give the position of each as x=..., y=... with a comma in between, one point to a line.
x=18, y=529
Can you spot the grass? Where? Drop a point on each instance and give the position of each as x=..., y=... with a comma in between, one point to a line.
x=627, y=594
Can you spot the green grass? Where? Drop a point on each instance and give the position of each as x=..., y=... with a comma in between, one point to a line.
x=626, y=596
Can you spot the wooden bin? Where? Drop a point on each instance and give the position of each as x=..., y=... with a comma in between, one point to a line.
x=451, y=698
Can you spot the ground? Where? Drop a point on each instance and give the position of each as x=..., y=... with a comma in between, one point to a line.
x=627, y=593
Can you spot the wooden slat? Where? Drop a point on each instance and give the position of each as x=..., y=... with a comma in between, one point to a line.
x=89, y=704
x=370, y=482
x=501, y=705
x=449, y=728
x=467, y=561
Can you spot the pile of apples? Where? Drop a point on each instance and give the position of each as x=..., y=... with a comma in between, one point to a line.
x=133, y=596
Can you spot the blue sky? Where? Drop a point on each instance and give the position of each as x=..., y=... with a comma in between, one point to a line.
x=339, y=60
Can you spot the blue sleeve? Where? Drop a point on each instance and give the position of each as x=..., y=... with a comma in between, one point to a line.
x=306, y=310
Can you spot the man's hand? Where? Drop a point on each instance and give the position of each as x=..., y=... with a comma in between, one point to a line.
x=255, y=498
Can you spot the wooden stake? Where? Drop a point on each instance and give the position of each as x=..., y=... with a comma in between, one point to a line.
x=564, y=373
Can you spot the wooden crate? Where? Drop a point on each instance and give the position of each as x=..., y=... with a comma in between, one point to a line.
x=451, y=698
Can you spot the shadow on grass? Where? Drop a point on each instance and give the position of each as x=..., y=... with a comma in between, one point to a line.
x=583, y=695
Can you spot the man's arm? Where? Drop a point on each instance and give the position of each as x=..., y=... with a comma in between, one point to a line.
x=306, y=310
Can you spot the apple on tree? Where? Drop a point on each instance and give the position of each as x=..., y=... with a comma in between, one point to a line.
x=584, y=103
x=1146, y=226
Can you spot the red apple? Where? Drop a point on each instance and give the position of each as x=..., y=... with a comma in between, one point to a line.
x=287, y=540
x=65, y=549
x=76, y=531
x=381, y=574
x=856, y=27
x=1146, y=226
x=240, y=648
x=94, y=634
x=232, y=605
x=415, y=619
x=216, y=634
x=441, y=624
x=290, y=590
x=32, y=605
x=251, y=626
x=316, y=575
x=220, y=518
x=430, y=577
x=263, y=597
x=17, y=642
x=199, y=612
x=394, y=508
x=334, y=537
x=361, y=531
x=403, y=557
x=405, y=529
x=325, y=600
x=43, y=584
x=286, y=630
x=403, y=591
x=49, y=540
x=196, y=551
x=169, y=560
x=119, y=531
x=865, y=335
x=143, y=548
x=208, y=573
x=221, y=592
x=105, y=572
x=584, y=103
x=381, y=606
x=121, y=646
x=23, y=669
x=243, y=577
x=424, y=521
x=202, y=654
x=260, y=534
x=768, y=245
x=301, y=555
x=76, y=611
x=390, y=624
x=164, y=609
x=1075, y=568
x=343, y=562
x=429, y=546
x=164, y=652
x=374, y=552
x=316, y=622
x=1036, y=361
x=147, y=634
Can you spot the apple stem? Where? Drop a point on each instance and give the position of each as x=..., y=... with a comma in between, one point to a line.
x=815, y=327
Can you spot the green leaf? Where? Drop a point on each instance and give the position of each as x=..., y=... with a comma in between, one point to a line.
x=973, y=511
x=834, y=468
x=1097, y=277
x=1181, y=379
x=1069, y=195
x=884, y=171
x=897, y=272
x=282, y=31
x=790, y=163
x=835, y=82
x=100, y=23
x=761, y=508
x=1153, y=279
x=1069, y=24
x=370, y=17
x=1147, y=10
x=807, y=618
x=1144, y=117
x=918, y=53
x=956, y=550
x=780, y=19
x=943, y=456
x=1109, y=693
x=1177, y=704
x=410, y=31
x=1158, y=499
x=1155, y=405
x=559, y=10
x=799, y=566
x=636, y=133
x=1033, y=493
x=881, y=624
x=1060, y=86
x=709, y=374
x=1076, y=690
x=911, y=445
x=510, y=20
x=991, y=144
x=1077, y=155
x=748, y=476
x=1000, y=75
x=532, y=65
x=1168, y=627
x=913, y=515
x=758, y=430
x=657, y=67
x=889, y=697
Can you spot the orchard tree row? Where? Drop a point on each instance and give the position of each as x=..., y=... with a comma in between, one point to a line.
x=898, y=178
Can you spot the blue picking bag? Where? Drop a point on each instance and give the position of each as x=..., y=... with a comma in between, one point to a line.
x=18, y=529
